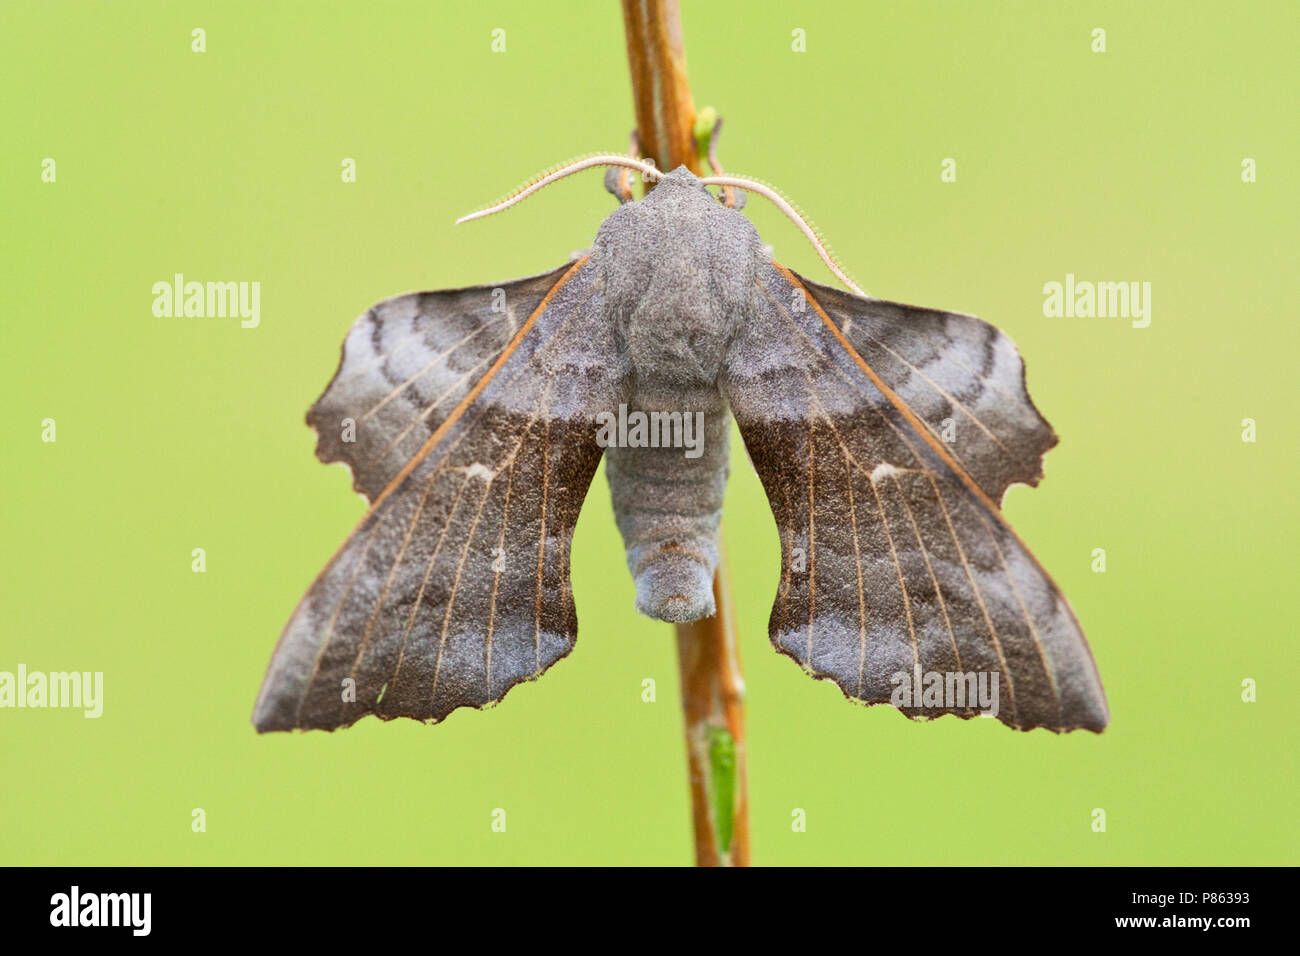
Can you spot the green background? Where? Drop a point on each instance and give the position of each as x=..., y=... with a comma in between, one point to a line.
x=182, y=433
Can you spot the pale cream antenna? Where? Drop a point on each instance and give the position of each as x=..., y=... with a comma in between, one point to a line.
x=567, y=169
x=767, y=192
x=609, y=159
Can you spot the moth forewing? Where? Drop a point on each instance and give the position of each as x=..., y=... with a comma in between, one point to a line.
x=455, y=585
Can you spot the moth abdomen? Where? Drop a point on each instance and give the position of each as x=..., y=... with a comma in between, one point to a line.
x=667, y=472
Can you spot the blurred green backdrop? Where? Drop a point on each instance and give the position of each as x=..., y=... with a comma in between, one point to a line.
x=174, y=434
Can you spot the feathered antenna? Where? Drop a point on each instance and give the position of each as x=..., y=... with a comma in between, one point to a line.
x=544, y=179
x=796, y=216
x=559, y=172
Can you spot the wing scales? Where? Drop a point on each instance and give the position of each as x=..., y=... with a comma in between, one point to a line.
x=407, y=363
x=455, y=585
x=960, y=375
x=896, y=561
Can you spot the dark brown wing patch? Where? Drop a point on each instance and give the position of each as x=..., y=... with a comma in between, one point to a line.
x=961, y=376
x=455, y=586
x=895, y=560
x=407, y=363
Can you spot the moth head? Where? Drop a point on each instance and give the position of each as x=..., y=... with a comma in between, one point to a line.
x=681, y=177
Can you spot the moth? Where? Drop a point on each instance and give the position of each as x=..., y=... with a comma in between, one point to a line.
x=885, y=437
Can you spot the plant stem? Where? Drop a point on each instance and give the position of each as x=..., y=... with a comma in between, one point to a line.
x=713, y=692
x=707, y=653
x=665, y=113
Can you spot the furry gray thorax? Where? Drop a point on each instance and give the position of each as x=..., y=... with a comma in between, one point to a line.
x=680, y=272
